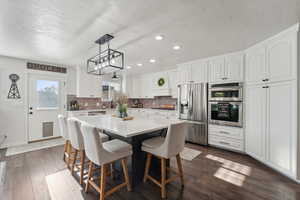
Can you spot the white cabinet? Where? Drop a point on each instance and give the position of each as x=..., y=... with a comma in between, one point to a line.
x=281, y=52
x=173, y=82
x=282, y=128
x=234, y=67
x=199, y=71
x=271, y=130
x=256, y=71
x=255, y=116
x=273, y=60
x=184, y=73
x=231, y=138
x=227, y=68
x=136, y=87
x=217, y=69
x=146, y=86
x=88, y=85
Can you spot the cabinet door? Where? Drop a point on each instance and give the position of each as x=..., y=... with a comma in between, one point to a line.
x=173, y=82
x=234, y=67
x=184, y=73
x=136, y=87
x=282, y=128
x=199, y=71
x=282, y=58
x=256, y=65
x=255, y=117
x=147, y=86
x=217, y=70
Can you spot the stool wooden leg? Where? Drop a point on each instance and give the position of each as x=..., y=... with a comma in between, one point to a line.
x=65, y=151
x=112, y=176
x=163, y=178
x=180, y=169
x=90, y=172
x=125, y=171
x=82, y=159
x=74, y=161
x=147, y=167
x=69, y=150
x=103, y=182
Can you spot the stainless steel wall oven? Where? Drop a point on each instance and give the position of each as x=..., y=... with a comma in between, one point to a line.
x=225, y=105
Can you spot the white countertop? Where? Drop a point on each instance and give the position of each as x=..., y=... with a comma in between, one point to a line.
x=139, y=125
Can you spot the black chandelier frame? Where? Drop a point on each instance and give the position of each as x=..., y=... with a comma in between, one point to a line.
x=97, y=64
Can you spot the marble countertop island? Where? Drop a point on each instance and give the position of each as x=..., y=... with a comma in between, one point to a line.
x=139, y=125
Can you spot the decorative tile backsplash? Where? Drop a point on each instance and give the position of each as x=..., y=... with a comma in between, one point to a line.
x=155, y=102
x=86, y=103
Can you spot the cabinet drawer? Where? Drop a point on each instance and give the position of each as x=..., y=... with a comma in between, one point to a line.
x=225, y=131
x=227, y=143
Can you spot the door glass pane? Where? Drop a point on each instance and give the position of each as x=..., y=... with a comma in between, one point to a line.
x=47, y=93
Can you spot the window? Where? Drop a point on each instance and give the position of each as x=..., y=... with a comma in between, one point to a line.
x=109, y=89
x=48, y=94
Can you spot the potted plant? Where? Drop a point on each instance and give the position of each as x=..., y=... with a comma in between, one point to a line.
x=121, y=101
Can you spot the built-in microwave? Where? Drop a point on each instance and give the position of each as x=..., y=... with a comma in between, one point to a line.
x=226, y=92
x=225, y=113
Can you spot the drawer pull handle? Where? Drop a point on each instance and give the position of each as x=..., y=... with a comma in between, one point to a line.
x=226, y=143
x=224, y=132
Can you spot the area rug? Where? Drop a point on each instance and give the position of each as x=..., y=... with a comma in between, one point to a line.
x=189, y=154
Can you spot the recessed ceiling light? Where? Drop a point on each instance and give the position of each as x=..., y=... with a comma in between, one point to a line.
x=152, y=60
x=159, y=37
x=128, y=67
x=139, y=64
x=176, y=47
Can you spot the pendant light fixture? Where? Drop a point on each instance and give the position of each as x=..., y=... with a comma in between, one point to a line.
x=107, y=60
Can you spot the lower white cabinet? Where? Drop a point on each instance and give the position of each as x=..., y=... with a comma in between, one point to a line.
x=271, y=127
x=255, y=116
x=231, y=138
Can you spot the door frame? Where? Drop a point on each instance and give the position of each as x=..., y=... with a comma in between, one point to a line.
x=47, y=75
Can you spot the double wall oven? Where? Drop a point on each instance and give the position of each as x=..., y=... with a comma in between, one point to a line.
x=225, y=106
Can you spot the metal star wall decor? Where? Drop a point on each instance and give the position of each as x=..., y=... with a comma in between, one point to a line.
x=14, y=91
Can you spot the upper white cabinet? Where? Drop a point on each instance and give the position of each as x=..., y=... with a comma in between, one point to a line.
x=88, y=85
x=217, y=69
x=199, y=71
x=255, y=65
x=227, y=68
x=147, y=86
x=173, y=82
x=184, y=73
x=281, y=52
x=234, y=67
x=273, y=60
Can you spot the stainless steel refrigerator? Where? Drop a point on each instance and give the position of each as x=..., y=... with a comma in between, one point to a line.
x=192, y=106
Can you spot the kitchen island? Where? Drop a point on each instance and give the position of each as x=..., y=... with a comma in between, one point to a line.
x=133, y=132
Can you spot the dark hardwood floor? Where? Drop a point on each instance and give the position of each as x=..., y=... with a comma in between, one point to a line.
x=215, y=174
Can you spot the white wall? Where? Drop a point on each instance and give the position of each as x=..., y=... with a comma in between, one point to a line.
x=13, y=113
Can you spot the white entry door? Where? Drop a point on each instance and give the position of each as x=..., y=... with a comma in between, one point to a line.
x=45, y=101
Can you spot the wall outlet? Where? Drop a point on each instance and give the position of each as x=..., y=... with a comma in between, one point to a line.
x=86, y=104
x=98, y=104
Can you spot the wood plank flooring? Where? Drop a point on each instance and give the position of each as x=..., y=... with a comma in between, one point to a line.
x=214, y=175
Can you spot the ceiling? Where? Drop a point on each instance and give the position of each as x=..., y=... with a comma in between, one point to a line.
x=64, y=31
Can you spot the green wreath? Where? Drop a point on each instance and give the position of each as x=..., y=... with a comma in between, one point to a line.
x=161, y=82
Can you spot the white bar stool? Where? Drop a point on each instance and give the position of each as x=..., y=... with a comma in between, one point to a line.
x=62, y=123
x=78, y=145
x=165, y=148
x=102, y=154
